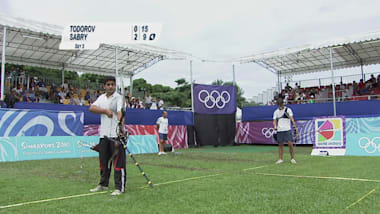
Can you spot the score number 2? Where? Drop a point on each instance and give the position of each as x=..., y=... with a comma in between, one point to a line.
x=144, y=30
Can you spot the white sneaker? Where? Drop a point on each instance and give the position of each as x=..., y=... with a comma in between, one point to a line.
x=116, y=192
x=293, y=161
x=161, y=153
x=280, y=161
x=99, y=188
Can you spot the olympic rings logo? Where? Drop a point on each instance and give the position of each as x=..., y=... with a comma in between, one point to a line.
x=217, y=99
x=370, y=146
x=267, y=132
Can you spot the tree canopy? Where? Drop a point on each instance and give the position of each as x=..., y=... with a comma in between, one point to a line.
x=180, y=95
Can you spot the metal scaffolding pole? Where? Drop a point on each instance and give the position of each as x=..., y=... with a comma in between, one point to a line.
x=191, y=80
x=116, y=71
x=233, y=75
x=131, y=85
x=278, y=82
x=63, y=77
x=3, y=63
x=332, y=80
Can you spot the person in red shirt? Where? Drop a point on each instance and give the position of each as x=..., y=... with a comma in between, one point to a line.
x=361, y=84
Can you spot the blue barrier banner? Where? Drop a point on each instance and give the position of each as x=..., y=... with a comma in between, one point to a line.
x=149, y=117
x=17, y=122
x=89, y=118
x=140, y=144
x=363, y=144
x=133, y=116
x=258, y=113
x=8, y=149
x=54, y=147
x=305, y=132
x=363, y=125
x=309, y=111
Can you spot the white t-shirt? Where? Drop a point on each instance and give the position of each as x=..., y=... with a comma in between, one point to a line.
x=283, y=124
x=153, y=106
x=108, y=125
x=164, y=123
x=148, y=100
x=160, y=104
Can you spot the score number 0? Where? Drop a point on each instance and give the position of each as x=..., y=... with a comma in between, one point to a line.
x=144, y=31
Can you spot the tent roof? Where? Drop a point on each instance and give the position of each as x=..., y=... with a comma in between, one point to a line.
x=37, y=44
x=347, y=52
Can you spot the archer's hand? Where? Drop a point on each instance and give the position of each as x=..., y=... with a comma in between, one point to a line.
x=109, y=113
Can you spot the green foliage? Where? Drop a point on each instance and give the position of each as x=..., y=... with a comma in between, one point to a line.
x=250, y=103
x=239, y=92
x=180, y=81
x=92, y=78
x=45, y=73
x=141, y=85
x=217, y=82
x=157, y=88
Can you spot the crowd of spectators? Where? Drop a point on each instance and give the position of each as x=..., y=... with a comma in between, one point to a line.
x=41, y=92
x=368, y=90
x=148, y=102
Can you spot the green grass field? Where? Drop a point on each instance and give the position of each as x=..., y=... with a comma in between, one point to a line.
x=239, y=179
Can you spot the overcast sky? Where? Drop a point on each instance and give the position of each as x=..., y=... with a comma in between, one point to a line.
x=218, y=29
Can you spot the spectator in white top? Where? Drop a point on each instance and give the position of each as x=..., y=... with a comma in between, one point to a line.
x=109, y=106
x=281, y=122
x=65, y=86
x=154, y=104
x=19, y=90
x=148, y=101
x=296, y=87
x=162, y=126
x=160, y=103
x=286, y=97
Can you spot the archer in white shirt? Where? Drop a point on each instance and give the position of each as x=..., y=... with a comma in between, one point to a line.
x=281, y=122
x=109, y=106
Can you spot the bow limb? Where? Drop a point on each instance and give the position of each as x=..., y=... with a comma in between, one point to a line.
x=122, y=113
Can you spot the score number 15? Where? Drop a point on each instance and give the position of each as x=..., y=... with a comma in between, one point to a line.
x=144, y=30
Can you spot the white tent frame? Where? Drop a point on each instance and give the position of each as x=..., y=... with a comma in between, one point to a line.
x=27, y=42
x=349, y=52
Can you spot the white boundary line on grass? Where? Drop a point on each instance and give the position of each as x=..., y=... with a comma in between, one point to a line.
x=51, y=199
x=364, y=196
x=258, y=167
x=318, y=177
x=205, y=176
x=89, y=194
x=186, y=179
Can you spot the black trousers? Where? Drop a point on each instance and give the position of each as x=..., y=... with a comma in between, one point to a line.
x=106, y=150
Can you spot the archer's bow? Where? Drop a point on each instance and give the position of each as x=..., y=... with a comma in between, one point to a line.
x=121, y=139
x=123, y=109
